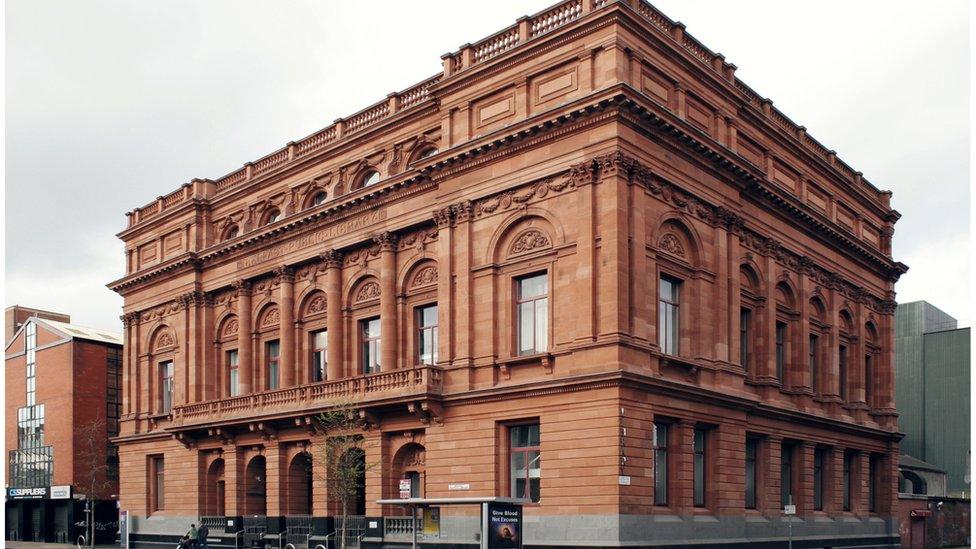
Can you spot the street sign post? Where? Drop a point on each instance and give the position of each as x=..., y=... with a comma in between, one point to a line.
x=789, y=510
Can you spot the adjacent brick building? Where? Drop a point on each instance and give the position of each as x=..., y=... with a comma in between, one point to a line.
x=63, y=401
x=584, y=265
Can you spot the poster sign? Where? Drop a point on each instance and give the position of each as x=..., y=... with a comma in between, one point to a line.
x=432, y=523
x=61, y=492
x=404, y=488
x=504, y=526
x=124, y=529
x=789, y=510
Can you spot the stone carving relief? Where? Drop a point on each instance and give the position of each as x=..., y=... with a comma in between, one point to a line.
x=164, y=340
x=425, y=277
x=367, y=292
x=272, y=317
x=317, y=305
x=532, y=239
x=671, y=244
x=230, y=328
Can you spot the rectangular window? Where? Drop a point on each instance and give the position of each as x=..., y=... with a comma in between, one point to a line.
x=814, y=363
x=272, y=351
x=843, y=373
x=752, y=449
x=156, y=481
x=819, y=456
x=668, y=320
x=166, y=386
x=233, y=371
x=660, y=443
x=427, y=334
x=320, y=351
x=786, y=475
x=847, y=480
x=745, y=341
x=780, y=351
x=525, y=461
x=372, y=344
x=868, y=380
x=874, y=475
x=700, y=464
x=532, y=303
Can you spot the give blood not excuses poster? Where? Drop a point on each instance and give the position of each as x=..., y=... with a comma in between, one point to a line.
x=504, y=526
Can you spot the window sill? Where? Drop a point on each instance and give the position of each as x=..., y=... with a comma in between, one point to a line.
x=545, y=359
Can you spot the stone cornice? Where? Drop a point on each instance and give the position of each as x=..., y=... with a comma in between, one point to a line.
x=542, y=130
x=757, y=188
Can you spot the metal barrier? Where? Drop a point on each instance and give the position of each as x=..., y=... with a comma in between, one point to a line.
x=217, y=525
x=298, y=529
x=352, y=529
x=255, y=527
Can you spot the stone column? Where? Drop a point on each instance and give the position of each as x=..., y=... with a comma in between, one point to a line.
x=801, y=359
x=768, y=372
x=275, y=468
x=803, y=473
x=333, y=298
x=245, y=352
x=445, y=295
x=388, y=305
x=725, y=471
x=233, y=481
x=320, y=484
x=614, y=264
x=735, y=307
x=585, y=286
x=721, y=293
x=286, y=326
x=373, y=446
x=831, y=383
x=683, y=481
x=463, y=336
x=772, y=463
x=855, y=361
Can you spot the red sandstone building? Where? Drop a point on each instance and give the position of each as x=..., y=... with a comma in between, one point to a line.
x=63, y=400
x=584, y=265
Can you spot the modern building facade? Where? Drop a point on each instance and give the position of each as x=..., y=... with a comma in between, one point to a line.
x=585, y=265
x=63, y=402
x=932, y=370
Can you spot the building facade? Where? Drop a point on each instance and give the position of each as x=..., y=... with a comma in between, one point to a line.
x=585, y=265
x=63, y=401
x=932, y=372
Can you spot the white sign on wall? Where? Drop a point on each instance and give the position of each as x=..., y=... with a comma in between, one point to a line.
x=459, y=486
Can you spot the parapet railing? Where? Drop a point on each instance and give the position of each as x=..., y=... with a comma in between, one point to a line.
x=470, y=55
x=406, y=381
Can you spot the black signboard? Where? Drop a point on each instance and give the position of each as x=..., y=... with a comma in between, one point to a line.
x=504, y=526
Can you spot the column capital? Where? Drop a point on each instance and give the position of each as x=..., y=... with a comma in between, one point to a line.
x=387, y=241
x=332, y=258
x=284, y=273
x=463, y=211
x=242, y=287
x=443, y=217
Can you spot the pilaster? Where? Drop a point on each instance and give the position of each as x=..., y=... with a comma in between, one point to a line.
x=388, y=306
x=333, y=299
x=286, y=330
x=245, y=352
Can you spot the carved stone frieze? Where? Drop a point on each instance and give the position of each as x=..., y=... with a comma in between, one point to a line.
x=671, y=244
x=426, y=276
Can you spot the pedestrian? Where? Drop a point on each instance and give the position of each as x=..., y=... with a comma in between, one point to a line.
x=202, y=533
x=191, y=536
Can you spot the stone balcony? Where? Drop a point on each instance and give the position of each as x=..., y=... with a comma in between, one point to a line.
x=404, y=385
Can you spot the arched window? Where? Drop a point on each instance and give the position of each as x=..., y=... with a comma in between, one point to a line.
x=231, y=232
x=748, y=318
x=783, y=346
x=369, y=178
x=817, y=337
x=844, y=353
x=319, y=198
x=272, y=215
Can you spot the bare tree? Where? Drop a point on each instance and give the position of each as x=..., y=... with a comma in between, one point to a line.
x=342, y=460
x=92, y=455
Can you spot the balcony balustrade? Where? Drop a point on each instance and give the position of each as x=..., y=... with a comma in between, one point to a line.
x=418, y=381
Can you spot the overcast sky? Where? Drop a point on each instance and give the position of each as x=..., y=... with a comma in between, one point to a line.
x=110, y=104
